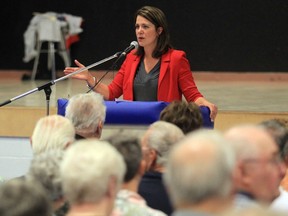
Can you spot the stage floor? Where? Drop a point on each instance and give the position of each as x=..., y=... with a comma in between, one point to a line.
x=244, y=94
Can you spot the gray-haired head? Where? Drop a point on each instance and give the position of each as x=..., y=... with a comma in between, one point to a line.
x=52, y=132
x=200, y=167
x=161, y=136
x=88, y=170
x=45, y=169
x=87, y=112
x=129, y=146
x=279, y=131
x=22, y=197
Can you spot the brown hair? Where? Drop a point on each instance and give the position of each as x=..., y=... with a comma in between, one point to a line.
x=187, y=116
x=157, y=17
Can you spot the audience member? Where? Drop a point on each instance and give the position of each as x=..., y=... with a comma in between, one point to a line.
x=45, y=169
x=156, y=144
x=259, y=168
x=87, y=113
x=52, y=132
x=20, y=197
x=92, y=173
x=200, y=174
x=279, y=131
x=187, y=116
x=264, y=211
x=128, y=201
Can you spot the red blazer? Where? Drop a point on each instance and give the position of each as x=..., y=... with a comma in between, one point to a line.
x=175, y=78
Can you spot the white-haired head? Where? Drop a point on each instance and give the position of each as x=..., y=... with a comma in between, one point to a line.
x=89, y=169
x=45, y=169
x=87, y=112
x=52, y=132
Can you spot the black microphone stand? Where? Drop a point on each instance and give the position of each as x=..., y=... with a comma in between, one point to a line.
x=47, y=87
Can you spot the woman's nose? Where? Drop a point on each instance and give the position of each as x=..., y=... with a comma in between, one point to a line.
x=139, y=30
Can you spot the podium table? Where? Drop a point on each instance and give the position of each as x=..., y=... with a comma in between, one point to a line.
x=135, y=112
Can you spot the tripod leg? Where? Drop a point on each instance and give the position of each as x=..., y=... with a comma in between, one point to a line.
x=36, y=61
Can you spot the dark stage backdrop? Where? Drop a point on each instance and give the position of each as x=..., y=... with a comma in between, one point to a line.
x=229, y=35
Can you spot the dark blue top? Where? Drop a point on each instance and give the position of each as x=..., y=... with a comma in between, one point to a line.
x=152, y=189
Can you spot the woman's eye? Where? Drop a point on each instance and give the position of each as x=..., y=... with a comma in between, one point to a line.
x=142, y=26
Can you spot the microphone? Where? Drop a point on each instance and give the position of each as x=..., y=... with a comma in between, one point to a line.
x=133, y=45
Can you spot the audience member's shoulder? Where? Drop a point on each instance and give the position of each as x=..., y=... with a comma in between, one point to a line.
x=22, y=178
x=2, y=180
x=254, y=211
x=36, y=201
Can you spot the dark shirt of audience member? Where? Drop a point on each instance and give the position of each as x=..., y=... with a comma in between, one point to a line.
x=92, y=173
x=156, y=144
x=20, y=197
x=259, y=168
x=187, y=116
x=87, y=113
x=52, y=132
x=128, y=201
x=45, y=169
x=200, y=174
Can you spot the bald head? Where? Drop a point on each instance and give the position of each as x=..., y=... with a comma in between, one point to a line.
x=198, y=158
x=250, y=141
x=259, y=170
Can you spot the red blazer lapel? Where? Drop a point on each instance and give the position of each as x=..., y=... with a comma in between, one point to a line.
x=165, y=59
x=134, y=68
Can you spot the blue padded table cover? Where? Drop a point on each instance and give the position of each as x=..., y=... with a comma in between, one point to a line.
x=135, y=112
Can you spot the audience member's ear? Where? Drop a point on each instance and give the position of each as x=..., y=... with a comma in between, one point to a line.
x=67, y=145
x=112, y=187
x=99, y=129
x=283, y=169
x=142, y=168
x=286, y=161
x=243, y=173
x=100, y=125
x=152, y=158
x=236, y=178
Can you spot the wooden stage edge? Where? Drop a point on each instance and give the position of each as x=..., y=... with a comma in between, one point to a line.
x=20, y=121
